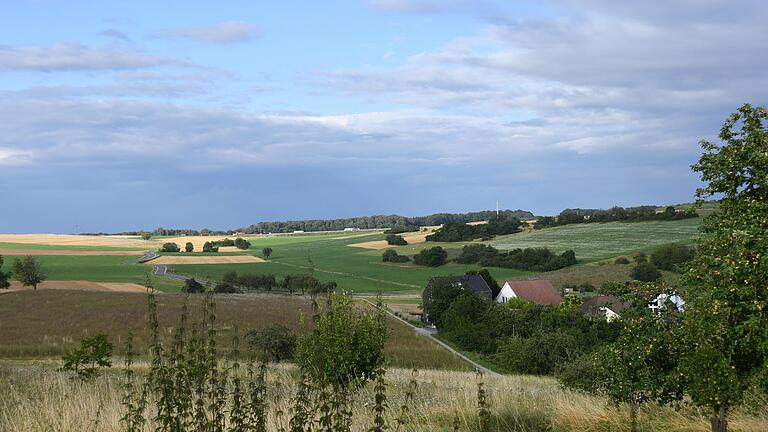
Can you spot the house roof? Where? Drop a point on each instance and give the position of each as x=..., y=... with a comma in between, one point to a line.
x=474, y=283
x=593, y=305
x=538, y=291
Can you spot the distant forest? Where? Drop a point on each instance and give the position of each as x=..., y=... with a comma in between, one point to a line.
x=378, y=222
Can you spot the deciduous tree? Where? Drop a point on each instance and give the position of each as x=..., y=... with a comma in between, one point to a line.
x=29, y=271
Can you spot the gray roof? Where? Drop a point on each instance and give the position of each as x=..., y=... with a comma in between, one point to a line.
x=474, y=283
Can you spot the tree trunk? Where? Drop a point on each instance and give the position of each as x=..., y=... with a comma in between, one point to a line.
x=633, y=417
x=34, y=287
x=720, y=420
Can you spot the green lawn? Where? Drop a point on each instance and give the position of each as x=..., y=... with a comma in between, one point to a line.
x=599, y=241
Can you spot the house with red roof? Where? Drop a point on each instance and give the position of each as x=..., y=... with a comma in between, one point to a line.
x=536, y=291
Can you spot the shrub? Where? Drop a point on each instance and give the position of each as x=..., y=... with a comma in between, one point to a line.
x=432, y=257
x=170, y=247
x=4, y=276
x=191, y=286
x=391, y=255
x=257, y=281
x=621, y=260
x=146, y=235
x=640, y=257
x=645, y=272
x=670, y=256
x=226, y=288
x=189, y=247
x=539, y=354
x=94, y=353
x=396, y=240
x=272, y=344
x=266, y=252
x=209, y=247
x=243, y=244
x=346, y=348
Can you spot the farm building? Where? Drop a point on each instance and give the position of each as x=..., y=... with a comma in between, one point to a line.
x=537, y=291
x=608, y=306
x=471, y=283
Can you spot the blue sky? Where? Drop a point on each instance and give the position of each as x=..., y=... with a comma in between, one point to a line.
x=133, y=115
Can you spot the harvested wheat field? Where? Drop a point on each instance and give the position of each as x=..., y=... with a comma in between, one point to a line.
x=411, y=238
x=78, y=285
x=55, y=252
x=73, y=240
x=205, y=259
x=198, y=241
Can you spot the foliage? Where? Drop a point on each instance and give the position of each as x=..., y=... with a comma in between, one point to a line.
x=457, y=231
x=725, y=318
x=170, y=247
x=614, y=214
x=432, y=257
x=346, y=346
x=399, y=229
x=210, y=247
x=29, y=271
x=391, y=255
x=257, y=281
x=145, y=235
x=189, y=247
x=379, y=221
x=621, y=260
x=191, y=286
x=396, y=240
x=645, y=271
x=242, y=243
x=266, y=252
x=272, y=344
x=4, y=283
x=670, y=256
x=94, y=353
x=533, y=259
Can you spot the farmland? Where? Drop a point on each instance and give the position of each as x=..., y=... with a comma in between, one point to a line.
x=598, y=241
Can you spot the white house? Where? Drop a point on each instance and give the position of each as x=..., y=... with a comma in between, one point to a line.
x=661, y=301
x=537, y=291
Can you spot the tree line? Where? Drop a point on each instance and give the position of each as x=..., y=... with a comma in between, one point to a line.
x=379, y=221
x=461, y=231
x=613, y=214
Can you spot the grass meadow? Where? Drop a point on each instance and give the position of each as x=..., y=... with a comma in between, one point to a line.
x=49, y=323
x=38, y=398
x=599, y=241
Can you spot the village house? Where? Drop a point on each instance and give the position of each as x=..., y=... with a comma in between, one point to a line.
x=536, y=291
x=608, y=306
x=471, y=283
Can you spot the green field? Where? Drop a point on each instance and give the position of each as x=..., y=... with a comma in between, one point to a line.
x=599, y=241
x=354, y=269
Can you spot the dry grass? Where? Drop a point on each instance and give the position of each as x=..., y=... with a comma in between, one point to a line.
x=37, y=398
x=57, y=252
x=411, y=238
x=72, y=240
x=78, y=285
x=206, y=259
x=50, y=323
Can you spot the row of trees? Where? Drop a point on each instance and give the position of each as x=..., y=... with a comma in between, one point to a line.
x=531, y=259
x=614, y=214
x=460, y=231
x=233, y=282
x=379, y=221
x=27, y=270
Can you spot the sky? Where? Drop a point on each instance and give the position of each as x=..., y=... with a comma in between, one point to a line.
x=123, y=115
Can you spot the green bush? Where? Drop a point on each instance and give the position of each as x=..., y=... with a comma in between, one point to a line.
x=189, y=247
x=391, y=255
x=94, y=353
x=242, y=243
x=170, y=247
x=272, y=344
x=396, y=240
x=621, y=260
x=191, y=286
x=645, y=272
x=432, y=257
x=670, y=256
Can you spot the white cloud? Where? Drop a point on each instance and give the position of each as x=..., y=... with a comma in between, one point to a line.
x=76, y=57
x=221, y=33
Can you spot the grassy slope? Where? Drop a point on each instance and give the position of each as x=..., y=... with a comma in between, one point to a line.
x=356, y=269
x=49, y=323
x=598, y=241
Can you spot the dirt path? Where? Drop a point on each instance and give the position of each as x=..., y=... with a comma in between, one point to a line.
x=53, y=252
